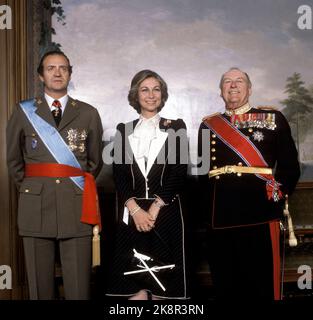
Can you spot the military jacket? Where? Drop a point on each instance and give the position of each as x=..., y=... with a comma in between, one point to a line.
x=241, y=199
x=51, y=207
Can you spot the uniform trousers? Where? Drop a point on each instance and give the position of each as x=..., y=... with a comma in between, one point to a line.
x=75, y=256
x=241, y=262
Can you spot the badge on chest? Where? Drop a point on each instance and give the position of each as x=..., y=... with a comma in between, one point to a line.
x=76, y=139
x=34, y=143
x=254, y=120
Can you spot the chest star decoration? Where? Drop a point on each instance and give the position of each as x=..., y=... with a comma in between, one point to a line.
x=258, y=136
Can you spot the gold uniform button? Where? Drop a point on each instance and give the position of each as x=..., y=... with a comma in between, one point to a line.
x=215, y=167
x=250, y=130
x=217, y=177
x=57, y=181
x=213, y=142
x=213, y=135
x=239, y=174
x=213, y=158
x=213, y=149
x=240, y=164
x=26, y=190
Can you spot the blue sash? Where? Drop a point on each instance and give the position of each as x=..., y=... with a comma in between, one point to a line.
x=52, y=140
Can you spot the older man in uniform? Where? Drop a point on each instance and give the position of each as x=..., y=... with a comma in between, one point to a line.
x=253, y=167
x=54, y=146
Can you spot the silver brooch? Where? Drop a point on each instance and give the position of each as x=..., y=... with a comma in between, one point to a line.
x=167, y=122
x=258, y=136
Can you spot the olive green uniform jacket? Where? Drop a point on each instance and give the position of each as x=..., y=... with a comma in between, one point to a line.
x=51, y=207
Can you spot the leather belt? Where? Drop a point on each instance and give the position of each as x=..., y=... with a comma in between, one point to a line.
x=239, y=169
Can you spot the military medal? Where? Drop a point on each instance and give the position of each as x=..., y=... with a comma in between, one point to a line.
x=258, y=136
x=76, y=139
x=81, y=147
x=254, y=120
x=34, y=143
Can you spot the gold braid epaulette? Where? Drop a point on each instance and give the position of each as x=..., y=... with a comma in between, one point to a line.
x=210, y=116
x=265, y=108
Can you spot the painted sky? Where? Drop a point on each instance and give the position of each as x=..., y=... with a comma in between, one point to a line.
x=190, y=43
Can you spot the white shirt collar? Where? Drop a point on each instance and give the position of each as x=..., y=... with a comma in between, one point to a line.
x=145, y=131
x=154, y=120
x=62, y=100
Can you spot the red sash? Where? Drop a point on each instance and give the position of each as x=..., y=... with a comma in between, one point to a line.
x=90, y=206
x=245, y=149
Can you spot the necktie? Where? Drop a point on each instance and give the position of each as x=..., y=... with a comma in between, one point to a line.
x=57, y=113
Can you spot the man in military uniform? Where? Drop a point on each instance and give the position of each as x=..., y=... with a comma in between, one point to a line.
x=253, y=166
x=54, y=146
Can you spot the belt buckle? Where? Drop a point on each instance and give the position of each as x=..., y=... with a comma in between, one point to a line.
x=229, y=169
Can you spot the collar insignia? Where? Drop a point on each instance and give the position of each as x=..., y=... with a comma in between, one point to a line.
x=241, y=110
x=38, y=101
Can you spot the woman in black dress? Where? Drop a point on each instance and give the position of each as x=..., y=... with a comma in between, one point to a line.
x=150, y=165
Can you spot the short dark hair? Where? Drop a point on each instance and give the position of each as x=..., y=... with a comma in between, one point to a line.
x=134, y=87
x=238, y=69
x=51, y=53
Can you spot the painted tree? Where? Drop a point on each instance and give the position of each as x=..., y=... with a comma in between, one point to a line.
x=300, y=101
x=311, y=90
x=298, y=106
x=52, y=7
